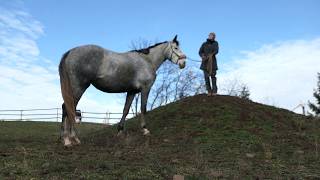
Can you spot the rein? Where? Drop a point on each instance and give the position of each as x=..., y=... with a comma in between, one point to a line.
x=182, y=57
x=194, y=60
x=179, y=57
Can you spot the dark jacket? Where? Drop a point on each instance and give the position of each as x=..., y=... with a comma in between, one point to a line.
x=207, y=48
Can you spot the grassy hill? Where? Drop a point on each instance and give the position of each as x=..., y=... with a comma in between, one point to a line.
x=199, y=137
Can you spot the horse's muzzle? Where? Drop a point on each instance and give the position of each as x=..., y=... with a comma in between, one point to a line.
x=182, y=63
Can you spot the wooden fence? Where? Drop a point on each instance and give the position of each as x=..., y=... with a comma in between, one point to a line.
x=55, y=114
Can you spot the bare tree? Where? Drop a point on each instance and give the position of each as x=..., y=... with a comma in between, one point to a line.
x=136, y=45
x=244, y=92
x=237, y=88
x=161, y=90
x=189, y=83
x=231, y=87
x=315, y=107
x=199, y=84
x=140, y=44
x=171, y=84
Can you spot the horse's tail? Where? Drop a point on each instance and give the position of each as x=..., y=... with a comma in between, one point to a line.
x=66, y=89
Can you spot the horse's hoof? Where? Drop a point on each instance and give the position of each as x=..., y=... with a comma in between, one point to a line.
x=67, y=142
x=146, y=132
x=76, y=141
x=120, y=133
x=69, y=146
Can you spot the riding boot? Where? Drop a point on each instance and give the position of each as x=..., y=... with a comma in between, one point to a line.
x=207, y=81
x=214, y=83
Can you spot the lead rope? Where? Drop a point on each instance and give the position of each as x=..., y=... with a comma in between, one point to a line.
x=194, y=60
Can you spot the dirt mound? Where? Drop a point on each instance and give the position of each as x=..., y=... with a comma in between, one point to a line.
x=224, y=134
x=198, y=137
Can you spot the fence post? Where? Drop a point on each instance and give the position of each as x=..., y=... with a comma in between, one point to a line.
x=303, y=110
x=21, y=112
x=105, y=121
x=107, y=118
x=57, y=114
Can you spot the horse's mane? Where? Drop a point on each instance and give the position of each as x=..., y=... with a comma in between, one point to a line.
x=147, y=50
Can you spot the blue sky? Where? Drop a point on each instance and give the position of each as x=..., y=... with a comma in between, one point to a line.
x=273, y=41
x=239, y=25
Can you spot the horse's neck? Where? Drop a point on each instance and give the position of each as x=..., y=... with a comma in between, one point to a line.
x=157, y=56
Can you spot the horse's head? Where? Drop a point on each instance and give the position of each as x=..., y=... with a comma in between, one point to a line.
x=175, y=55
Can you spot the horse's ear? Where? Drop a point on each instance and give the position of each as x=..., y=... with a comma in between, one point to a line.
x=175, y=39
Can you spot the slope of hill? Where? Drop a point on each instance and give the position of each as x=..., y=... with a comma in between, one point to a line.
x=199, y=137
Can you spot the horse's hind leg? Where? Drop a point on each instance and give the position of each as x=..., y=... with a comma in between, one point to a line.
x=73, y=136
x=78, y=93
x=68, y=132
x=65, y=128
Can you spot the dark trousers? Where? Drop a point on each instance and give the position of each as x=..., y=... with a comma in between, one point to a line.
x=207, y=76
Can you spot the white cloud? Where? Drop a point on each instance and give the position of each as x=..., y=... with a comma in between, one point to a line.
x=24, y=83
x=18, y=20
x=281, y=74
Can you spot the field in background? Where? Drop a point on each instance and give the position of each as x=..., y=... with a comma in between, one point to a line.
x=198, y=137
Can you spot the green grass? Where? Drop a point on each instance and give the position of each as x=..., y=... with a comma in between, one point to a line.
x=198, y=137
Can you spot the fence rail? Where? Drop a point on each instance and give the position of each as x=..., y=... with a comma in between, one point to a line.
x=55, y=114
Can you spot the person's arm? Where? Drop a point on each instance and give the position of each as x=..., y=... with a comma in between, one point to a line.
x=201, y=50
x=216, y=48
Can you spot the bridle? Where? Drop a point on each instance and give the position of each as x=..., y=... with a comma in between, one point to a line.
x=179, y=57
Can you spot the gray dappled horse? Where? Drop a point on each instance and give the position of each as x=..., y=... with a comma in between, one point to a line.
x=112, y=72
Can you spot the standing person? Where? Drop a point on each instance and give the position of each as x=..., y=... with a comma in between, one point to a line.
x=207, y=52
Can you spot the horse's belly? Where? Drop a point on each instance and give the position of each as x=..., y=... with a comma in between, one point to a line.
x=114, y=85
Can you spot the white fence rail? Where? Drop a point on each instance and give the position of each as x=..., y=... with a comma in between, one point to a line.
x=55, y=114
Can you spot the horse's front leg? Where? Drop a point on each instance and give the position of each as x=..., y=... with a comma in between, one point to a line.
x=144, y=100
x=129, y=99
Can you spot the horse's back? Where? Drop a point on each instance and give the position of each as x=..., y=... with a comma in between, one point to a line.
x=107, y=70
x=83, y=62
x=86, y=52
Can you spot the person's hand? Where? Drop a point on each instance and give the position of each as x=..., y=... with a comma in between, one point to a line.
x=204, y=58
